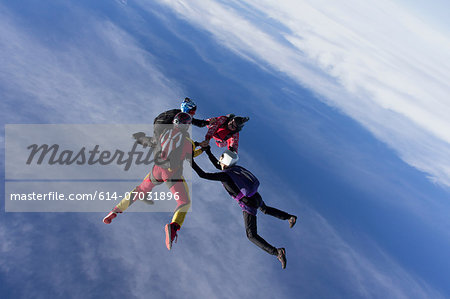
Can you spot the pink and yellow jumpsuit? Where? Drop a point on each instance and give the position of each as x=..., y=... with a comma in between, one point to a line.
x=174, y=179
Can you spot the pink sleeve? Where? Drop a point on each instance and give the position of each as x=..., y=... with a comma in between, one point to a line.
x=234, y=141
x=214, y=127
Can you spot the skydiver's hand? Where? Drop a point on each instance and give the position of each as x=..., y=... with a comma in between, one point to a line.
x=138, y=135
x=204, y=143
x=146, y=141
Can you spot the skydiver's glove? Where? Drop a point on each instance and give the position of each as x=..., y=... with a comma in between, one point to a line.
x=204, y=148
x=204, y=143
x=148, y=141
x=138, y=135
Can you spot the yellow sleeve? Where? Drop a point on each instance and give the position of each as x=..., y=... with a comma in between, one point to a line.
x=195, y=152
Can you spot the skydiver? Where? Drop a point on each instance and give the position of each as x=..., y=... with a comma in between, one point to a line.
x=166, y=118
x=242, y=185
x=174, y=147
x=225, y=131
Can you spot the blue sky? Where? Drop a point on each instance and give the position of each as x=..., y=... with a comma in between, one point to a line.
x=349, y=130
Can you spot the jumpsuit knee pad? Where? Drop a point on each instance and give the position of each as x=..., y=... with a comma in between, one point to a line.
x=263, y=209
x=250, y=234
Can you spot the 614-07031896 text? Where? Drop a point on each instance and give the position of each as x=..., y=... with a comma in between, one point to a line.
x=143, y=196
x=51, y=196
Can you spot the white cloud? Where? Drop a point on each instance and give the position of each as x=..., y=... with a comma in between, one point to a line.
x=100, y=75
x=374, y=61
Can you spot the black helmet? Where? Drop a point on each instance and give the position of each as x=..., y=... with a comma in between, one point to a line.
x=238, y=122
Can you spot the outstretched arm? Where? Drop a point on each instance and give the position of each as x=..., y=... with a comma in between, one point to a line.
x=218, y=176
x=199, y=122
x=211, y=157
x=214, y=125
x=226, y=180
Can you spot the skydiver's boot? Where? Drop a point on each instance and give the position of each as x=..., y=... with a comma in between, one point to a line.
x=171, y=233
x=292, y=220
x=111, y=216
x=282, y=257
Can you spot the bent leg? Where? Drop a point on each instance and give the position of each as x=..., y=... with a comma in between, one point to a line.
x=183, y=203
x=252, y=234
x=274, y=212
x=140, y=192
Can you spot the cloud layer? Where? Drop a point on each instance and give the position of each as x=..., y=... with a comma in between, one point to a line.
x=375, y=62
x=81, y=78
x=77, y=255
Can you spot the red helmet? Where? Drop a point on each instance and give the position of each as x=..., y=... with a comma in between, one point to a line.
x=182, y=121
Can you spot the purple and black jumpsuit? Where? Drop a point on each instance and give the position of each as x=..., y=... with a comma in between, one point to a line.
x=242, y=185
